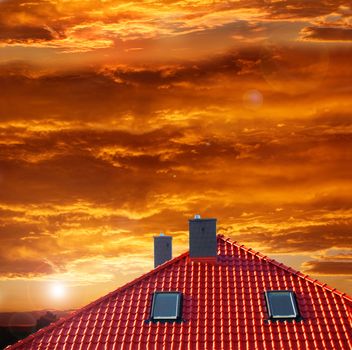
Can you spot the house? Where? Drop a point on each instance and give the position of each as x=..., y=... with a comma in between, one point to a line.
x=219, y=295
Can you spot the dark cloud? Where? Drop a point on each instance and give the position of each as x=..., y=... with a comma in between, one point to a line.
x=327, y=34
x=24, y=268
x=19, y=34
x=199, y=72
x=29, y=22
x=328, y=267
x=296, y=238
x=334, y=119
x=301, y=8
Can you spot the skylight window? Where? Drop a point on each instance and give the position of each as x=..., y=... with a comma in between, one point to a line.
x=281, y=304
x=166, y=306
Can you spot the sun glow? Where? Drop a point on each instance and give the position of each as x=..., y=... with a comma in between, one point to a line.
x=58, y=290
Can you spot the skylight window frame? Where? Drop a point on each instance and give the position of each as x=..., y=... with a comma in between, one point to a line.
x=178, y=311
x=295, y=316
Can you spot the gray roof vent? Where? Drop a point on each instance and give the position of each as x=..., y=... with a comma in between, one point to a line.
x=162, y=249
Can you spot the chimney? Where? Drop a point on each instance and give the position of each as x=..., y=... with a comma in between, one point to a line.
x=202, y=238
x=162, y=249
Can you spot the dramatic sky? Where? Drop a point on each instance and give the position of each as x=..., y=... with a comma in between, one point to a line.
x=123, y=119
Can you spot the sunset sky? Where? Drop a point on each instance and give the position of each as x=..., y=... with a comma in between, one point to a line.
x=123, y=119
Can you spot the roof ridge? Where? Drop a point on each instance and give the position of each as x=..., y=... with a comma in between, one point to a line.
x=286, y=268
x=95, y=302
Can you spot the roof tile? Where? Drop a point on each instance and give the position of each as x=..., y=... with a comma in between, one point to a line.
x=223, y=308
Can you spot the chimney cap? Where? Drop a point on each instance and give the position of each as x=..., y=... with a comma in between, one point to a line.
x=197, y=217
x=203, y=220
x=162, y=234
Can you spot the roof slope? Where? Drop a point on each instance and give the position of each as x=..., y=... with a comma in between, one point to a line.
x=223, y=308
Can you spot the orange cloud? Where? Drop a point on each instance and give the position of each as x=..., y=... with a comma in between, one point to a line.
x=120, y=120
x=91, y=25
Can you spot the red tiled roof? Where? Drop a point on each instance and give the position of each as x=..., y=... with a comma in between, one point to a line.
x=223, y=308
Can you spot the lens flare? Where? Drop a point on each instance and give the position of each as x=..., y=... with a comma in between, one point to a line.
x=253, y=99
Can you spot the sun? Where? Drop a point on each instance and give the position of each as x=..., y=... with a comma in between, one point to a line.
x=58, y=290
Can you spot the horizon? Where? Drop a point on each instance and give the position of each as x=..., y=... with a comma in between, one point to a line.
x=119, y=121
